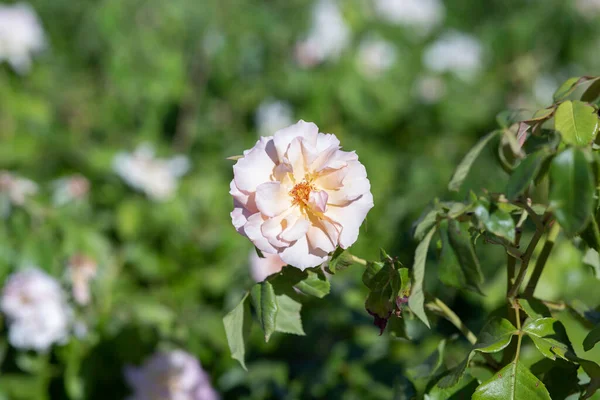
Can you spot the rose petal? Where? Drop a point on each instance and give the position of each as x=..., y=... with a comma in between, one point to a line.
x=351, y=218
x=254, y=168
x=284, y=137
x=317, y=200
x=252, y=230
x=272, y=199
x=299, y=255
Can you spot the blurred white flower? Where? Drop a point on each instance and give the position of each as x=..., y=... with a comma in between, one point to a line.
x=174, y=375
x=430, y=89
x=36, y=310
x=261, y=268
x=455, y=52
x=588, y=8
x=328, y=37
x=21, y=36
x=17, y=189
x=68, y=189
x=422, y=15
x=298, y=195
x=375, y=56
x=156, y=177
x=273, y=115
x=81, y=269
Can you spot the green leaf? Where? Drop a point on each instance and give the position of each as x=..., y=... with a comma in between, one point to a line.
x=311, y=281
x=545, y=334
x=577, y=122
x=513, y=382
x=416, y=301
x=397, y=327
x=237, y=328
x=592, y=338
x=460, y=240
x=315, y=284
x=265, y=304
x=593, y=371
x=561, y=380
x=525, y=173
x=566, y=88
x=494, y=337
x=288, y=315
x=450, y=270
x=424, y=224
x=340, y=260
x=464, y=389
x=388, y=283
x=592, y=92
x=495, y=220
x=463, y=168
x=571, y=190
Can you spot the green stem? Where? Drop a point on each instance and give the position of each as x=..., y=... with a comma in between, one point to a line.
x=512, y=260
x=514, y=290
x=520, y=334
x=455, y=320
x=359, y=260
x=541, y=261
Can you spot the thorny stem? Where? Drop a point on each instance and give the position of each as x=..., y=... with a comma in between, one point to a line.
x=514, y=290
x=541, y=261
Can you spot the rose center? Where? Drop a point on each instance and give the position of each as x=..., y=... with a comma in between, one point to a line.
x=301, y=192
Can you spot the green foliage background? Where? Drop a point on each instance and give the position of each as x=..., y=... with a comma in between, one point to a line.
x=118, y=73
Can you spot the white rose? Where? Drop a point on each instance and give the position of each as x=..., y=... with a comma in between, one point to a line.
x=296, y=194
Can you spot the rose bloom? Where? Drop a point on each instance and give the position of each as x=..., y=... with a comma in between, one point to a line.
x=16, y=188
x=296, y=194
x=455, y=52
x=375, y=56
x=423, y=15
x=36, y=310
x=173, y=375
x=273, y=115
x=328, y=37
x=70, y=189
x=157, y=177
x=21, y=36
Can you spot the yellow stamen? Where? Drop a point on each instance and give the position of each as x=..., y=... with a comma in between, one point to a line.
x=301, y=192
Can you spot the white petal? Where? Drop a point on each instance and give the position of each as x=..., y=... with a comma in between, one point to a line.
x=272, y=199
x=255, y=167
x=284, y=137
x=319, y=239
x=299, y=255
x=295, y=231
x=349, y=192
x=317, y=200
x=332, y=179
x=350, y=218
x=252, y=229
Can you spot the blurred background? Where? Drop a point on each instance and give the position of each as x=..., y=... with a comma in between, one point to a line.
x=116, y=119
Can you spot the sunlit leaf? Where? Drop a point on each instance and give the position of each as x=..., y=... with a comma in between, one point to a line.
x=577, y=122
x=495, y=336
x=513, y=382
x=545, y=333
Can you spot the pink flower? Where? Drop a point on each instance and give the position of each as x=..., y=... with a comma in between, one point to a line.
x=261, y=268
x=296, y=194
